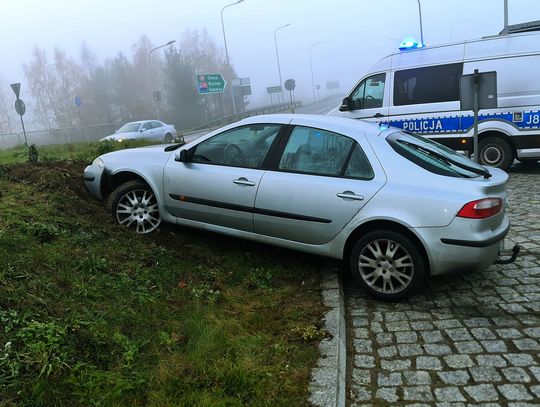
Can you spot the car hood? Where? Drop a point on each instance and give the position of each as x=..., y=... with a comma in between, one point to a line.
x=132, y=157
x=120, y=136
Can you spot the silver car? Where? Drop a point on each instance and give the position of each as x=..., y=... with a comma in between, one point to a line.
x=147, y=129
x=394, y=206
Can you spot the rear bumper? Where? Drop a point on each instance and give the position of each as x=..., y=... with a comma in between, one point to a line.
x=449, y=252
x=477, y=243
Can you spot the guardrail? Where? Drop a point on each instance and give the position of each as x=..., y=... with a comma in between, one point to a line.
x=223, y=121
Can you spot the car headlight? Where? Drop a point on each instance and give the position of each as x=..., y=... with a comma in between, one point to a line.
x=99, y=162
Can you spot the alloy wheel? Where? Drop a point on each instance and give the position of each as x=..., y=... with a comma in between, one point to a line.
x=138, y=209
x=386, y=266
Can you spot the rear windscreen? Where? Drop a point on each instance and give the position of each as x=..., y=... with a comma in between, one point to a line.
x=433, y=156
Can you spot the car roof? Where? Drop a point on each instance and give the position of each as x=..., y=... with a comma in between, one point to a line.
x=338, y=124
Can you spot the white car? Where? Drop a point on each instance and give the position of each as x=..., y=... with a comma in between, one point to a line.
x=148, y=130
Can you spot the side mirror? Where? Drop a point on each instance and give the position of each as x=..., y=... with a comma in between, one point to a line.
x=345, y=105
x=141, y=130
x=181, y=156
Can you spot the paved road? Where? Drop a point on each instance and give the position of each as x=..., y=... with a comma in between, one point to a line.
x=471, y=339
x=322, y=107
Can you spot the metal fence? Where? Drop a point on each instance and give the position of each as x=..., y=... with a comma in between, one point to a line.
x=95, y=132
x=58, y=136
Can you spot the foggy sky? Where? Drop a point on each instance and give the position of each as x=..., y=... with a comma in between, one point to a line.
x=354, y=34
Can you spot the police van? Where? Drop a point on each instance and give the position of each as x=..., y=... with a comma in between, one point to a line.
x=417, y=89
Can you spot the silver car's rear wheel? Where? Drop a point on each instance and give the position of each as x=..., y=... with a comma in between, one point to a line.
x=387, y=264
x=134, y=205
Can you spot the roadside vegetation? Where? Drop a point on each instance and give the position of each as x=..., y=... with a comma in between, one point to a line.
x=91, y=314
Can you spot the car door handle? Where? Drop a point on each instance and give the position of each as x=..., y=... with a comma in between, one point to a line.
x=350, y=195
x=244, y=181
x=379, y=115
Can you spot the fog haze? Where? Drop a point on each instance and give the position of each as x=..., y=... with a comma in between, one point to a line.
x=354, y=34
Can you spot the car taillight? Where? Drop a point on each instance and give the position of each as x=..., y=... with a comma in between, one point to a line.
x=480, y=209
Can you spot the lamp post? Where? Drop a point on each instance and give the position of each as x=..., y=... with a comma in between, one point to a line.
x=227, y=51
x=505, y=31
x=150, y=69
x=421, y=29
x=277, y=57
x=311, y=64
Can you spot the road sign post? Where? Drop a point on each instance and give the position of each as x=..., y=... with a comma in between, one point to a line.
x=271, y=90
x=478, y=91
x=290, y=84
x=20, y=107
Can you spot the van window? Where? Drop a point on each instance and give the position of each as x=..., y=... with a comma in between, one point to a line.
x=430, y=84
x=369, y=93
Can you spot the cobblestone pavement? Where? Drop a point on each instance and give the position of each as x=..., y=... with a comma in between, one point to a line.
x=471, y=339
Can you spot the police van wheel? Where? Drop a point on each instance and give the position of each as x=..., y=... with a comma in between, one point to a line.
x=495, y=152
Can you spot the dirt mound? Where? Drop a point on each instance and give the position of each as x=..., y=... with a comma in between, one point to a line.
x=58, y=176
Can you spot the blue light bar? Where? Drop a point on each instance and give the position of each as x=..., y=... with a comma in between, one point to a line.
x=409, y=44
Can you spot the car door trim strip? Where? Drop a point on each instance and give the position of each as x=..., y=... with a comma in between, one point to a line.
x=242, y=208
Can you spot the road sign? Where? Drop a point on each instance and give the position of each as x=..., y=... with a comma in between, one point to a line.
x=78, y=101
x=332, y=85
x=16, y=89
x=290, y=84
x=210, y=83
x=273, y=89
x=20, y=107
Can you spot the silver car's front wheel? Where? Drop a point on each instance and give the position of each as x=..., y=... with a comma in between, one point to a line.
x=387, y=264
x=134, y=205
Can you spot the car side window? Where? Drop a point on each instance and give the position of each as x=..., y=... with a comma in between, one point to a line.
x=369, y=94
x=244, y=146
x=359, y=166
x=315, y=151
x=146, y=126
x=155, y=125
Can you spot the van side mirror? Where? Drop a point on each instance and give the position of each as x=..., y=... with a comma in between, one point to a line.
x=181, y=156
x=345, y=105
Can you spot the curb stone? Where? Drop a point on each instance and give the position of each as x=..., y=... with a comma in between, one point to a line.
x=327, y=387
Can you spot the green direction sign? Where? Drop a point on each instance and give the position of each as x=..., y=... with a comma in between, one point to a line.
x=210, y=83
x=273, y=89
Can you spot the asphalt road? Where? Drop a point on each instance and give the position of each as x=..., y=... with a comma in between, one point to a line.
x=322, y=107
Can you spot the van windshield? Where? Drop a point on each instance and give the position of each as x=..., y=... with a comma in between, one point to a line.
x=435, y=157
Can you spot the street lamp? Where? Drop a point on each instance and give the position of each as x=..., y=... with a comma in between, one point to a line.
x=421, y=29
x=150, y=69
x=311, y=64
x=227, y=51
x=277, y=57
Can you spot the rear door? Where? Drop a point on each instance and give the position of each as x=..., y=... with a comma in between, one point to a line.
x=319, y=183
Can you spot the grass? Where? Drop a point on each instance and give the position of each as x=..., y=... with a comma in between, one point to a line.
x=91, y=314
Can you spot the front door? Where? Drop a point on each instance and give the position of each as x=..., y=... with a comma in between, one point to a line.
x=369, y=100
x=321, y=182
x=219, y=184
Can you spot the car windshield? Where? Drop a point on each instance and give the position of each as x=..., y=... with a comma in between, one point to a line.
x=129, y=127
x=434, y=156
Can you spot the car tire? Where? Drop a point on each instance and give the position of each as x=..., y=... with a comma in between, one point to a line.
x=387, y=264
x=168, y=138
x=495, y=152
x=134, y=205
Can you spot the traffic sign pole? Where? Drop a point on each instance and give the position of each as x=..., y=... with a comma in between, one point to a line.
x=20, y=107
